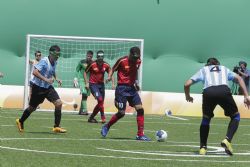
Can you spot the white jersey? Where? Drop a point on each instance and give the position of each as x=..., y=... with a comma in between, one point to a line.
x=213, y=75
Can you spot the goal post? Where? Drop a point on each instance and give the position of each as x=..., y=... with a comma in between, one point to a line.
x=73, y=49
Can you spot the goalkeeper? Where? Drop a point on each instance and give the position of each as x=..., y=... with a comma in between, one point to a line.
x=79, y=81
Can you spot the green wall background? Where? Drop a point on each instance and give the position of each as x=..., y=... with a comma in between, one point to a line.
x=179, y=34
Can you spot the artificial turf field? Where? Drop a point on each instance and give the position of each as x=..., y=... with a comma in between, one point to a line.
x=83, y=145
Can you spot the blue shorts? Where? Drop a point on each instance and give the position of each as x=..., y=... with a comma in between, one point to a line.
x=124, y=94
x=97, y=90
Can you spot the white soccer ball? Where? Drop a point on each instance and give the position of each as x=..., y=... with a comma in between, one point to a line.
x=161, y=135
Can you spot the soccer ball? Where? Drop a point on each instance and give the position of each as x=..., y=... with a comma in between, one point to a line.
x=161, y=135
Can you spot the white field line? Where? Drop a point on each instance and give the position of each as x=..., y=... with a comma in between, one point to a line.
x=163, y=154
x=122, y=157
x=166, y=122
x=175, y=117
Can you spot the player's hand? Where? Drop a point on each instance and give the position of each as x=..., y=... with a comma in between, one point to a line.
x=87, y=86
x=190, y=99
x=137, y=87
x=247, y=102
x=75, y=82
x=108, y=80
x=59, y=82
x=50, y=80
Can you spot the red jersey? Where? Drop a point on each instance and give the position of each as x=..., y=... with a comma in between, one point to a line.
x=97, y=72
x=126, y=70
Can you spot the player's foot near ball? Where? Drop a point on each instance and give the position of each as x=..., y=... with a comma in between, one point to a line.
x=143, y=138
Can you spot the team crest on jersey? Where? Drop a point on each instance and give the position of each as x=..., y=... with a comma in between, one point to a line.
x=85, y=65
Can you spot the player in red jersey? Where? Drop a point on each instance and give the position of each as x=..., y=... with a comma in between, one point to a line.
x=96, y=84
x=126, y=90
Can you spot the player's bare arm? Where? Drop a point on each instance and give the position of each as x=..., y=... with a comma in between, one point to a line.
x=58, y=80
x=86, y=80
x=187, y=86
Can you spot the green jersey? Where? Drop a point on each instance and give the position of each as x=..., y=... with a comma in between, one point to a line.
x=80, y=68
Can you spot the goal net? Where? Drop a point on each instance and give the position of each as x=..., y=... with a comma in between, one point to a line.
x=73, y=49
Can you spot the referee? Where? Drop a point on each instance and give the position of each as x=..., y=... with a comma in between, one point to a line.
x=215, y=78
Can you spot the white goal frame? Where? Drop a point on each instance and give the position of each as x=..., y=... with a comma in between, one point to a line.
x=27, y=66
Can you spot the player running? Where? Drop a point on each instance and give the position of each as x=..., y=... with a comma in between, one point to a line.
x=96, y=85
x=44, y=74
x=126, y=90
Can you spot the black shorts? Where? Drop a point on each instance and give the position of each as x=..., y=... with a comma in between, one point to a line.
x=39, y=94
x=220, y=95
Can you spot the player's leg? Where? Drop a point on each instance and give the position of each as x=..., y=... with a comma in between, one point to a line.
x=135, y=101
x=85, y=93
x=208, y=105
x=96, y=93
x=55, y=99
x=231, y=110
x=36, y=97
x=120, y=103
x=101, y=103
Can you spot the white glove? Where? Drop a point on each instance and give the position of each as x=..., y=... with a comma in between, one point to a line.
x=75, y=82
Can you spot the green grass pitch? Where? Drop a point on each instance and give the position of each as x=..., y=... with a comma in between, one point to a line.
x=83, y=145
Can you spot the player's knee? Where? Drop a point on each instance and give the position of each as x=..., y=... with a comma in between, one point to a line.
x=58, y=104
x=236, y=117
x=205, y=121
x=140, y=111
x=138, y=107
x=120, y=113
x=100, y=101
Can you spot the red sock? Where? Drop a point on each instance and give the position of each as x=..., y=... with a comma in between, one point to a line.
x=113, y=120
x=140, y=125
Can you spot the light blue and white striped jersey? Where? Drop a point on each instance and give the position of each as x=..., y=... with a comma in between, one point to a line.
x=46, y=69
x=213, y=75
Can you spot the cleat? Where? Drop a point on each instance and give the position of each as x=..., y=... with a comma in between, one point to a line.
x=19, y=126
x=83, y=113
x=93, y=120
x=143, y=138
x=227, y=146
x=59, y=130
x=104, y=130
x=203, y=151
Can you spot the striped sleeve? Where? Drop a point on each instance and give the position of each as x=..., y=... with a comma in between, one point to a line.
x=198, y=76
